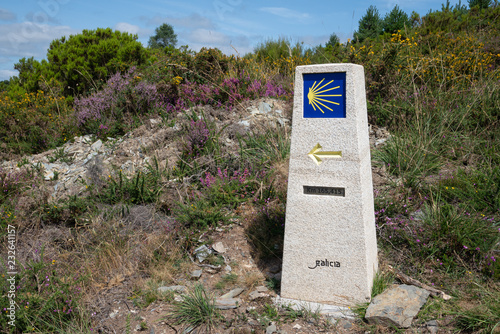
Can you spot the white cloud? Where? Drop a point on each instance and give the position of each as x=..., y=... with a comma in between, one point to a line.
x=192, y=21
x=286, y=13
x=29, y=39
x=6, y=74
x=6, y=15
x=208, y=36
x=228, y=44
x=131, y=29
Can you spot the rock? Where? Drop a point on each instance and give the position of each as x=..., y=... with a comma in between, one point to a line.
x=264, y=107
x=227, y=303
x=396, y=306
x=432, y=326
x=253, y=111
x=219, y=247
x=202, y=253
x=262, y=289
x=345, y=324
x=113, y=314
x=233, y=293
x=96, y=146
x=173, y=288
x=195, y=274
x=297, y=326
x=228, y=268
x=255, y=295
x=244, y=123
x=253, y=322
x=271, y=328
x=49, y=176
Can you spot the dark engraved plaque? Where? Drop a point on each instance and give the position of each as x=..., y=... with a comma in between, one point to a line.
x=327, y=191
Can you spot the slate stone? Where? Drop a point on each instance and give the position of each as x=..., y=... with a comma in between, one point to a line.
x=264, y=107
x=397, y=306
x=219, y=247
x=233, y=293
x=202, y=253
x=271, y=328
x=195, y=274
x=227, y=303
x=244, y=123
x=96, y=146
x=255, y=295
x=174, y=288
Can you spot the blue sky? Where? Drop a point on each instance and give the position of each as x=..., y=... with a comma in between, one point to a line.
x=234, y=26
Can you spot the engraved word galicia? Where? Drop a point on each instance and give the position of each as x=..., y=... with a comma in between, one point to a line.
x=325, y=263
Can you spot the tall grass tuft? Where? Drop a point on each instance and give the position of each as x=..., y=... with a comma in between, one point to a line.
x=196, y=311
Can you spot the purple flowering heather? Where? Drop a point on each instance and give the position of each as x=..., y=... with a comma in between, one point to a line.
x=197, y=137
x=120, y=91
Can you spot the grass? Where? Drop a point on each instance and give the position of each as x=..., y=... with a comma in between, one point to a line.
x=196, y=310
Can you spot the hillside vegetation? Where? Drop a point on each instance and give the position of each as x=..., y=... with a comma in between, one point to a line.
x=434, y=84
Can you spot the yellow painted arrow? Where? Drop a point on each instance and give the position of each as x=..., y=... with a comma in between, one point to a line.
x=316, y=154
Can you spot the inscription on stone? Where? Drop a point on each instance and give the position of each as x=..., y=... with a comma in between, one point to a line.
x=329, y=191
x=326, y=263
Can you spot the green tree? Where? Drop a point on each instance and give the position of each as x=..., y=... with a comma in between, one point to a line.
x=333, y=41
x=395, y=20
x=164, y=36
x=30, y=71
x=370, y=25
x=4, y=85
x=479, y=3
x=82, y=61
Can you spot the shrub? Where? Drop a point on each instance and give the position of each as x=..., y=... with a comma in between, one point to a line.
x=104, y=112
x=81, y=61
x=34, y=122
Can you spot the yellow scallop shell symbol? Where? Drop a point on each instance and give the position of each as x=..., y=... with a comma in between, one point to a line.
x=317, y=95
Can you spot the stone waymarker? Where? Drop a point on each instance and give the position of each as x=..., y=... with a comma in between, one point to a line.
x=330, y=249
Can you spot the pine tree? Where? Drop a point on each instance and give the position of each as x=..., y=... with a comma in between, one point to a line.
x=164, y=36
x=395, y=20
x=370, y=25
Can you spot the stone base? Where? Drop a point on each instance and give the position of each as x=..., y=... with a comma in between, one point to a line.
x=333, y=311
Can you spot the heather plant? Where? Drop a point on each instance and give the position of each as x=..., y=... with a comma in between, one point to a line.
x=229, y=92
x=196, y=138
x=104, y=112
